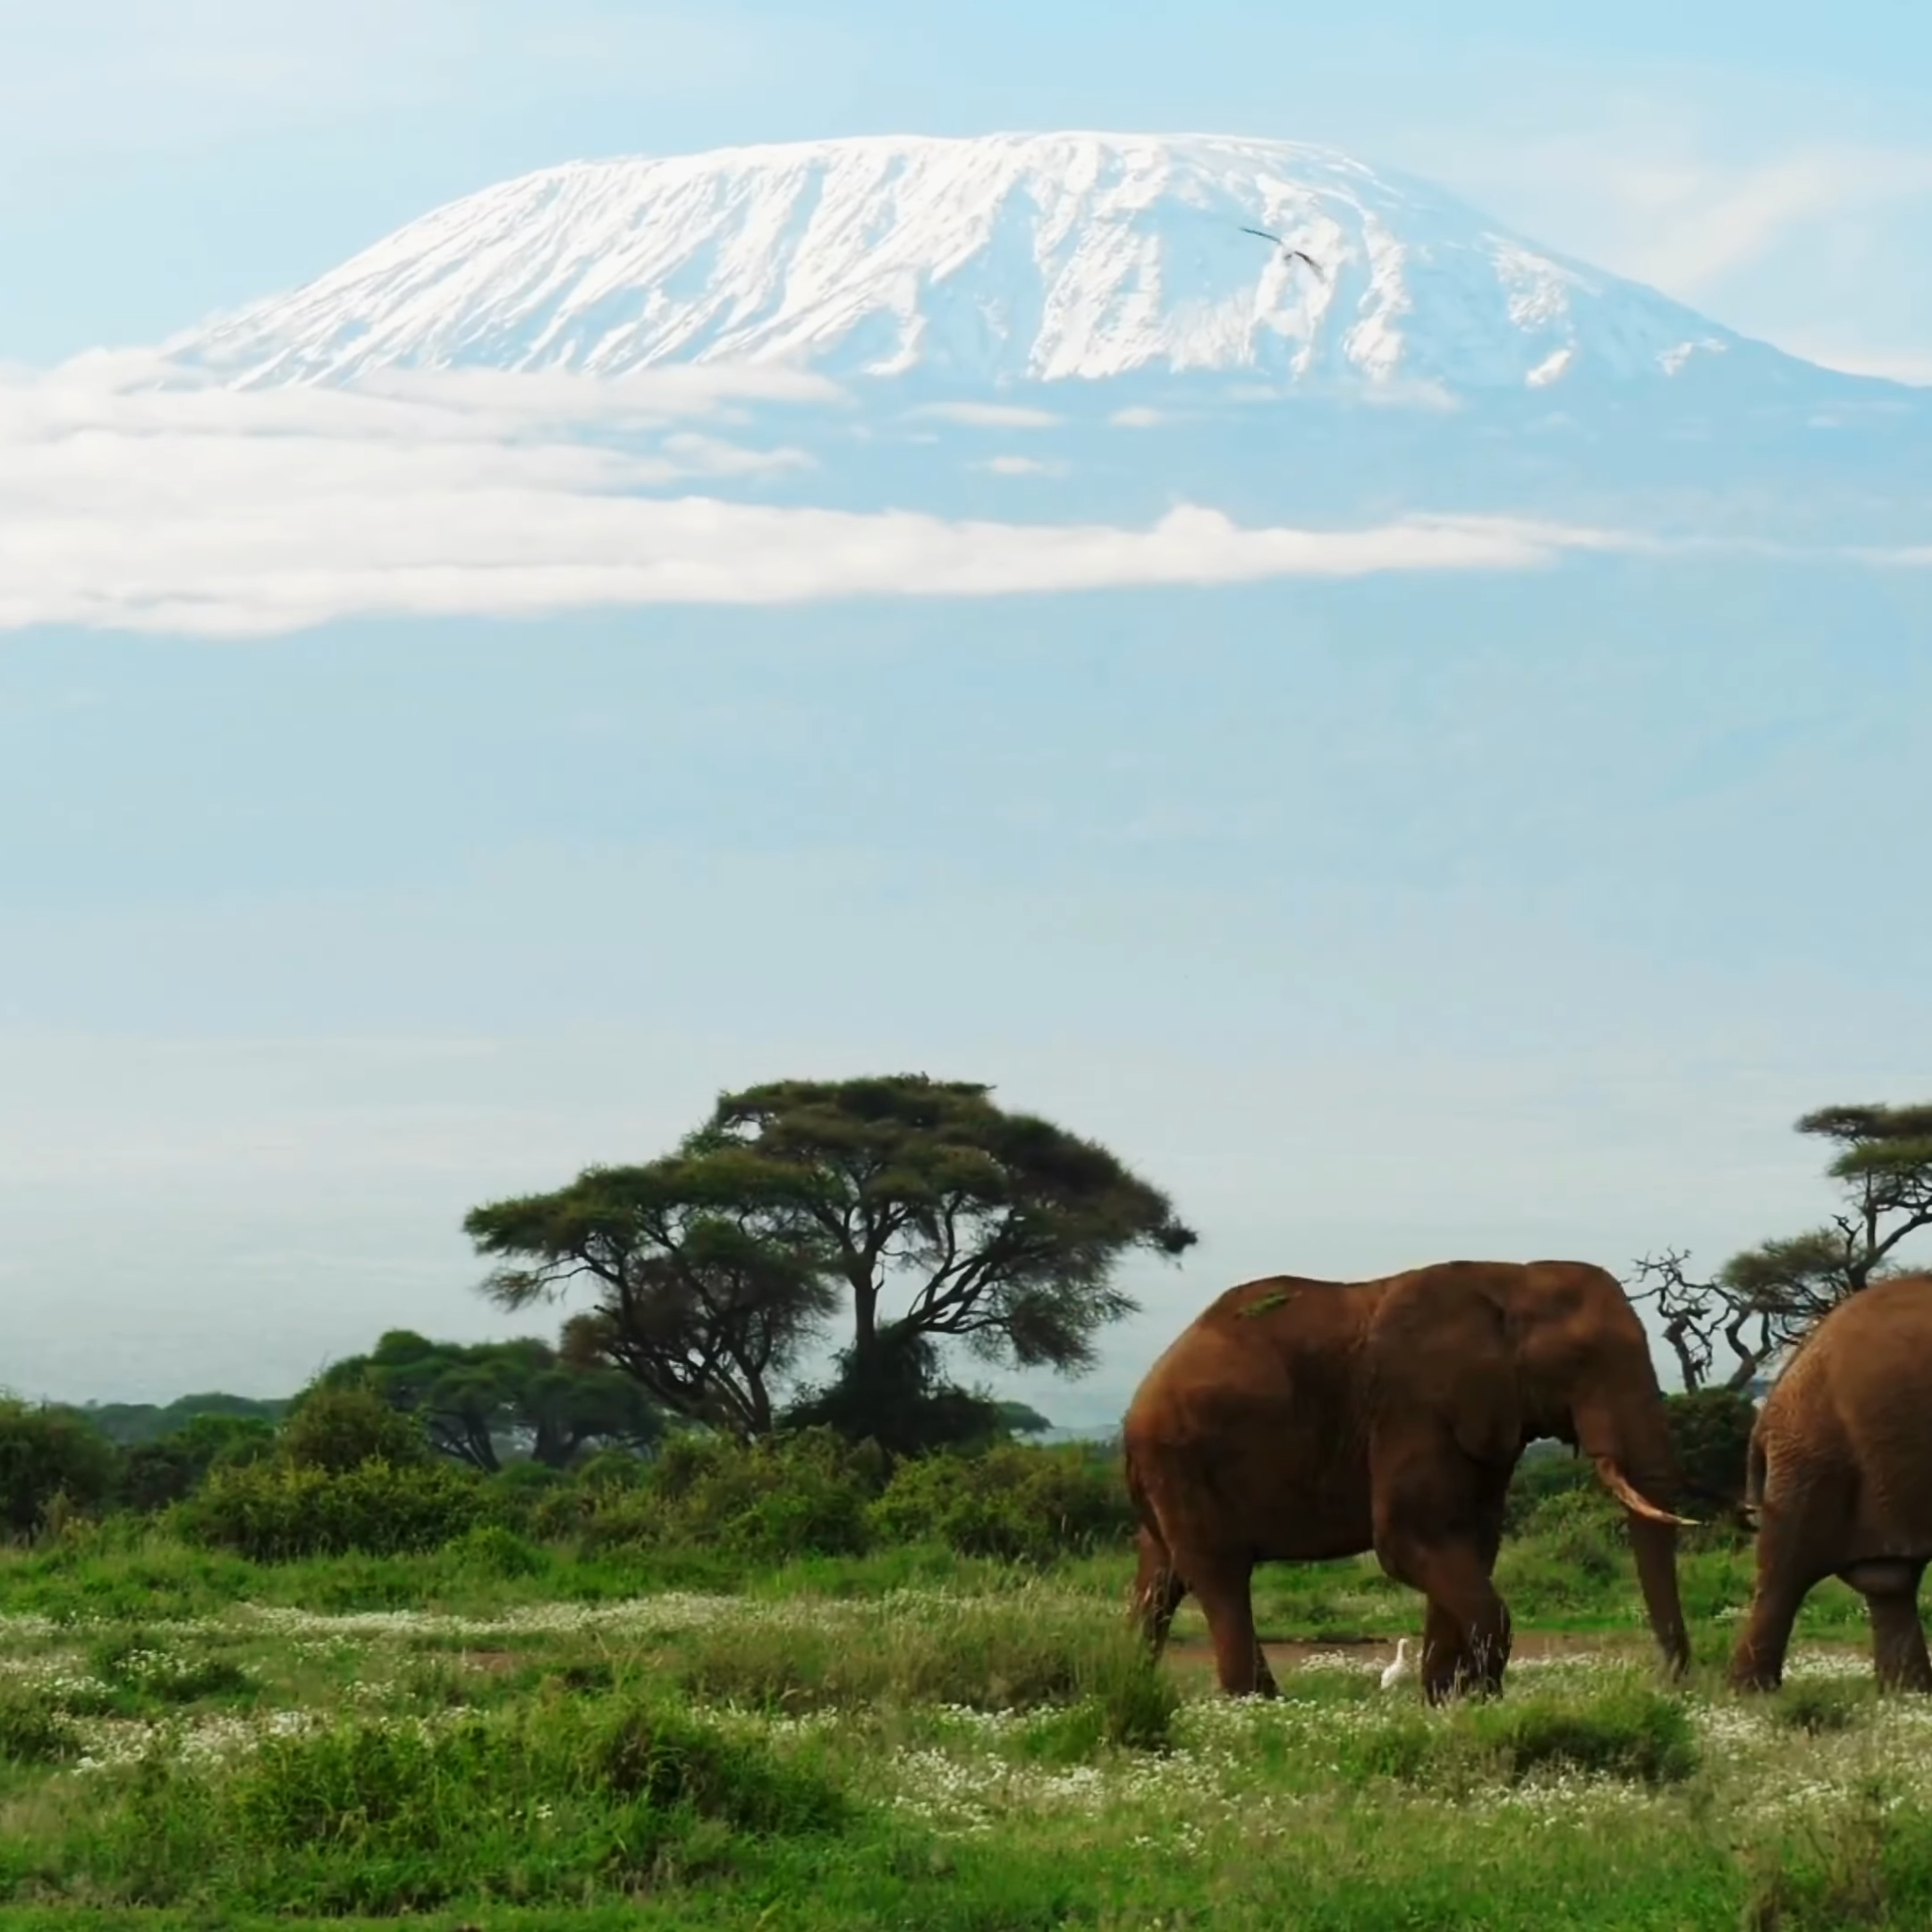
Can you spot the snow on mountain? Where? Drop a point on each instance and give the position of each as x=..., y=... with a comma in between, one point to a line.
x=975, y=263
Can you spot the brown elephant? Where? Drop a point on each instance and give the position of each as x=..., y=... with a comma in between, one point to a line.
x=1304, y=1420
x=1840, y=1478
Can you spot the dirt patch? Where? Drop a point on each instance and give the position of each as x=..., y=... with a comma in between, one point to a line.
x=1287, y=1652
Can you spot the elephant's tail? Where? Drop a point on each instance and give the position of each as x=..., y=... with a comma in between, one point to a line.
x=1754, y=1478
x=1136, y=1495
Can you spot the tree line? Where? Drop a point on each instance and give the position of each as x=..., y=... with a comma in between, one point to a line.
x=907, y=1221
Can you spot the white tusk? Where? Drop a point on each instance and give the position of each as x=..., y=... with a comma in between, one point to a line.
x=1621, y=1488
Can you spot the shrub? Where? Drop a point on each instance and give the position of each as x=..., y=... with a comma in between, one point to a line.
x=168, y=1470
x=387, y=1818
x=799, y=1495
x=33, y=1732
x=497, y=1552
x=44, y=1454
x=1634, y=1732
x=272, y=1512
x=336, y=1430
x=605, y=1468
x=136, y=1662
x=1710, y=1436
x=1547, y=1470
x=1817, y=1707
x=669, y=1760
x=1012, y=1503
x=1026, y=1650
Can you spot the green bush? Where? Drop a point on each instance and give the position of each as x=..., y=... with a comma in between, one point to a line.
x=1818, y=1707
x=1710, y=1435
x=1636, y=1733
x=337, y=1430
x=388, y=1818
x=134, y=1661
x=799, y=1495
x=48, y=1453
x=169, y=1469
x=33, y=1733
x=669, y=1761
x=1012, y=1503
x=273, y=1511
x=1547, y=1470
x=495, y=1551
x=1026, y=1650
x=1581, y=1530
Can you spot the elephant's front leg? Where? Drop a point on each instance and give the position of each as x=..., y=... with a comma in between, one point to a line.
x=1463, y=1601
x=1448, y=1667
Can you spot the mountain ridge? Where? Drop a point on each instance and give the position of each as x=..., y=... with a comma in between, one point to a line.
x=984, y=262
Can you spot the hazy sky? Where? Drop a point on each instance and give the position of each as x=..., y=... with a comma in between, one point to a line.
x=1513, y=910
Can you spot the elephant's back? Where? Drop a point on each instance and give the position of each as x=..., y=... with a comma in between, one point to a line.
x=1860, y=1388
x=1249, y=1425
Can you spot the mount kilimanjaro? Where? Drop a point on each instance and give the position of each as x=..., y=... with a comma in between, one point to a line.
x=1058, y=290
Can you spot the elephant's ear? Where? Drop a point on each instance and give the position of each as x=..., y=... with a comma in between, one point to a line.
x=1443, y=1347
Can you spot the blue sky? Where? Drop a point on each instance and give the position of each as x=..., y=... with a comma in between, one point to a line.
x=1502, y=911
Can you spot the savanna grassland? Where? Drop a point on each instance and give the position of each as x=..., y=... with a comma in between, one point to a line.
x=546, y=1727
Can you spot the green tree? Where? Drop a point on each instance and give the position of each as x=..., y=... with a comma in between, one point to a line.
x=1766, y=1298
x=997, y=1229
x=1017, y=1419
x=1710, y=1437
x=337, y=1428
x=930, y=1212
x=702, y=1296
x=128, y=1424
x=1883, y=1166
x=895, y=1394
x=474, y=1399
x=45, y=1453
x=163, y=1471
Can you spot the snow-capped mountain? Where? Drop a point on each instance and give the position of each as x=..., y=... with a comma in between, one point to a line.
x=978, y=263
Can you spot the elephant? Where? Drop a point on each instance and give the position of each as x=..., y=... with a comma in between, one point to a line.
x=1838, y=1476
x=1296, y=1419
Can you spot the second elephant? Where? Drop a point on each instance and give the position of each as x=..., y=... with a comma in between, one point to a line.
x=1840, y=1477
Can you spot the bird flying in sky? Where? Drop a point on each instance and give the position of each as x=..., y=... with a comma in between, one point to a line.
x=1289, y=254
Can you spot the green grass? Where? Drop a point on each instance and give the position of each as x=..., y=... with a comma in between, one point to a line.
x=518, y=1736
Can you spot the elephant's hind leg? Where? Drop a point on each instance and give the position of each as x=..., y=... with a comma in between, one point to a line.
x=1222, y=1587
x=1891, y=1593
x=1786, y=1571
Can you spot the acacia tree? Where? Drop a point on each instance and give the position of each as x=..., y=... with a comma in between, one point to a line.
x=1764, y=1298
x=471, y=1396
x=929, y=1212
x=946, y=1217
x=697, y=1297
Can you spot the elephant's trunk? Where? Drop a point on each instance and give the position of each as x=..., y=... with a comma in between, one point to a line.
x=1632, y=1458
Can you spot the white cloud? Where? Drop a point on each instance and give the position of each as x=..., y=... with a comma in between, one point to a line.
x=209, y=511
x=988, y=415
x=1137, y=418
x=1021, y=466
